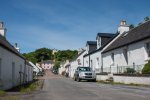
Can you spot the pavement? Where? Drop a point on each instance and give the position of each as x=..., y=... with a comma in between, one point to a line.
x=60, y=88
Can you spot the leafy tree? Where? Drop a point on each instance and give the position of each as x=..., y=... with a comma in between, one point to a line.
x=56, y=65
x=146, y=18
x=31, y=57
x=139, y=24
x=43, y=54
x=131, y=26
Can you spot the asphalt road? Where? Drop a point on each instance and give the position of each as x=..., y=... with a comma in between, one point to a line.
x=61, y=88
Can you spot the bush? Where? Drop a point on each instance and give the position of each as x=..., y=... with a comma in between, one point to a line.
x=146, y=69
x=130, y=70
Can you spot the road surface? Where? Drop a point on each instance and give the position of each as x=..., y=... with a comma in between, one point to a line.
x=61, y=88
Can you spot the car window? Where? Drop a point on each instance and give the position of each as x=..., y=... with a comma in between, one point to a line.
x=84, y=69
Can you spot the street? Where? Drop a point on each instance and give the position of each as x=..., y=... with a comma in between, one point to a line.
x=61, y=88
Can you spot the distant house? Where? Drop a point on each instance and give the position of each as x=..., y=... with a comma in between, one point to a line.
x=130, y=49
x=14, y=68
x=90, y=47
x=78, y=61
x=46, y=64
x=93, y=57
x=64, y=67
x=36, y=69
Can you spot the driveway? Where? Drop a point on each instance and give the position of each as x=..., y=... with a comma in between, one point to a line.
x=61, y=88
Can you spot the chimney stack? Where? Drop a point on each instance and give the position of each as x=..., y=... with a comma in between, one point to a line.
x=123, y=27
x=2, y=29
x=16, y=47
x=123, y=23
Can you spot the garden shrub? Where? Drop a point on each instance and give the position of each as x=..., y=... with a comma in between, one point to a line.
x=146, y=68
x=130, y=70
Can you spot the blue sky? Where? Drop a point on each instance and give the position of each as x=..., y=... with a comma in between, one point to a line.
x=66, y=24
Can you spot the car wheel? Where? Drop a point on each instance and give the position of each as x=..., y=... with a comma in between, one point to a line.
x=94, y=80
x=74, y=78
x=78, y=79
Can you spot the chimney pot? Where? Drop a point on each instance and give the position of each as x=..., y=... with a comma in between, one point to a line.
x=123, y=23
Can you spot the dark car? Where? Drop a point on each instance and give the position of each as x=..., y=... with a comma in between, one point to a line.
x=40, y=74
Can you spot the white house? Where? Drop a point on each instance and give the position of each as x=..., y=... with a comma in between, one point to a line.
x=93, y=58
x=14, y=69
x=130, y=49
x=46, y=64
x=78, y=61
x=36, y=69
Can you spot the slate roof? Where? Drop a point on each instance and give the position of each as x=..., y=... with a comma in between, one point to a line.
x=139, y=33
x=5, y=44
x=105, y=35
x=91, y=43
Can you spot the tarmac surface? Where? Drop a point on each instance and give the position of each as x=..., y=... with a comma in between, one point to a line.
x=60, y=88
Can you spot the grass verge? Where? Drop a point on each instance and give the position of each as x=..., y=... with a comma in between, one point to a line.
x=2, y=93
x=119, y=83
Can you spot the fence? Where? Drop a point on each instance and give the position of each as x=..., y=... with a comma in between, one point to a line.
x=123, y=69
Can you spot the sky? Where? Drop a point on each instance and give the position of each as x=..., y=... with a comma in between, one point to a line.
x=66, y=24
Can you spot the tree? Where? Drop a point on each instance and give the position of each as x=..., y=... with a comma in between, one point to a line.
x=146, y=69
x=56, y=65
x=43, y=54
x=146, y=19
x=131, y=26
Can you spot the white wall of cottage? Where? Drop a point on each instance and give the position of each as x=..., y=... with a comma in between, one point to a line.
x=136, y=55
x=74, y=64
x=96, y=61
x=86, y=61
x=8, y=79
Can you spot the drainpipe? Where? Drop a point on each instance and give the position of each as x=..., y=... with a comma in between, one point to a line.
x=83, y=60
x=89, y=61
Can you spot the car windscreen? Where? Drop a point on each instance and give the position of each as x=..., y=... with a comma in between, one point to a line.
x=84, y=69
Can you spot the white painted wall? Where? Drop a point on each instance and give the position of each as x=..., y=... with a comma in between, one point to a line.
x=74, y=64
x=96, y=59
x=136, y=54
x=35, y=68
x=7, y=58
x=126, y=79
x=86, y=61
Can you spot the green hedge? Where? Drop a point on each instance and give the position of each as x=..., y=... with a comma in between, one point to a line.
x=146, y=69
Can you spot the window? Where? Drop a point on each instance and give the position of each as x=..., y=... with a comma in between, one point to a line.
x=148, y=48
x=125, y=53
x=92, y=64
x=112, y=58
x=0, y=68
x=13, y=73
x=97, y=62
x=87, y=63
x=79, y=62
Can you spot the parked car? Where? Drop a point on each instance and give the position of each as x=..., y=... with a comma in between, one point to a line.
x=40, y=74
x=55, y=71
x=84, y=73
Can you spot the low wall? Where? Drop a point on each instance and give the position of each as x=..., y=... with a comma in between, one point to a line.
x=126, y=79
x=129, y=80
x=101, y=77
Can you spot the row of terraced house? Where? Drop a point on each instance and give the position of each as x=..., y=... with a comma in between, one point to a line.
x=14, y=68
x=113, y=55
